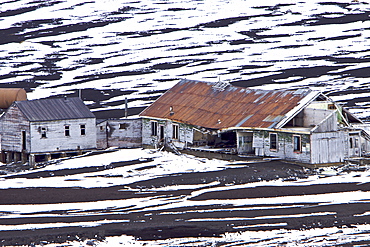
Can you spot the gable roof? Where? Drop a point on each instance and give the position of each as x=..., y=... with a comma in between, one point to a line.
x=207, y=105
x=54, y=109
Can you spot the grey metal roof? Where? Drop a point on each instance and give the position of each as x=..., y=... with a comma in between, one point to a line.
x=54, y=109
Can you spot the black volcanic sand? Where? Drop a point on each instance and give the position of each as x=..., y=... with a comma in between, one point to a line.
x=174, y=222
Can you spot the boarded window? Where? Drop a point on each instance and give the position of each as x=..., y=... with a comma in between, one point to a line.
x=83, y=129
x=297, y=143
x=175, y=131
x=123, y=126
x=66, y=130
x=273, y=141
x=154, y=127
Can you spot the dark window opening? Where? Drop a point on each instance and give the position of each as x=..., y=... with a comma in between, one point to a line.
x=66, y=130
x=331, y=107
x=297, y=144
x=43, y=132
x=161, y=132
x=226, y=140
x=154, y=127
x=24, y=140
x=273, y=141
x=83, y=129
x=123, y=126
x=350, y=142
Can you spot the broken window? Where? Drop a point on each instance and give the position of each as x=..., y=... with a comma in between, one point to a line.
x=83, y=129
x=331, y=107
x=154, y=127
x=273, y=141
x=66, y=130
x=175, y=131
x=43, y=132
x=297, y=143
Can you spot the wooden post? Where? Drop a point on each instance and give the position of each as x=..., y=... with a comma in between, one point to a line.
x=24, y=157
x=16, y=156
x=32, y=161
x=8, y=157
x=48, y=156
x=126, y=108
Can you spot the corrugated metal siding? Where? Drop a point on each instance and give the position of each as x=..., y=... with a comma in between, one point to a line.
x=54, y=109
x=198, y=103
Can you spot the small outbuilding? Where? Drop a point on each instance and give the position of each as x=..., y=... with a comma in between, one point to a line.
x=298, y=125
x=120, y=133
x=45, y=128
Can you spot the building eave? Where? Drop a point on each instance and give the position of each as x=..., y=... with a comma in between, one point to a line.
x=297, y=109
x=264, y=129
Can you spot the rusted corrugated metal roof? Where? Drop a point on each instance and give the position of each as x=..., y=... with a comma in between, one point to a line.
x=54, y=109
x=201, y=104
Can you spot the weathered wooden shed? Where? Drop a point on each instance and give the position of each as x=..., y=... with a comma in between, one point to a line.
x=121, y=133
x=46, y=127
x=298, y=125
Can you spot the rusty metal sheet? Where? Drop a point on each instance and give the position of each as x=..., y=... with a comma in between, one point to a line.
x=199, y=103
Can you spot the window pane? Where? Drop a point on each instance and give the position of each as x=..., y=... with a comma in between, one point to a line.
x=123, y=126
x=273, y=141
x=83, y=129
x=154, y=128
x=297, y=143
x=66, y=130
x=175, y=131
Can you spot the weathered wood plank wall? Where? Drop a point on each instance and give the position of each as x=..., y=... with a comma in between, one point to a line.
x=11, y=125
x=329, y=147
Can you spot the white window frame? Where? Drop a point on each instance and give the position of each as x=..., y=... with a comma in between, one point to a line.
x=299, y=150
x=83, y=129
x=175, y=131
x=154, y=128
x=67, y=130
x=276, y=141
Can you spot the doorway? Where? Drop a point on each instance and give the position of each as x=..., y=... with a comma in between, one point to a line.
x=161, y=133
x=24, y=141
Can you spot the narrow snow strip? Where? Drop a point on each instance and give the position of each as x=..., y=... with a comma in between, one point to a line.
x=58, y=225
x=264, y=217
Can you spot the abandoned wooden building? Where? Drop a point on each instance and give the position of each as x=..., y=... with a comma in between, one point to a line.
x=121, y=133
x=298, y=125
x=45, y=128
